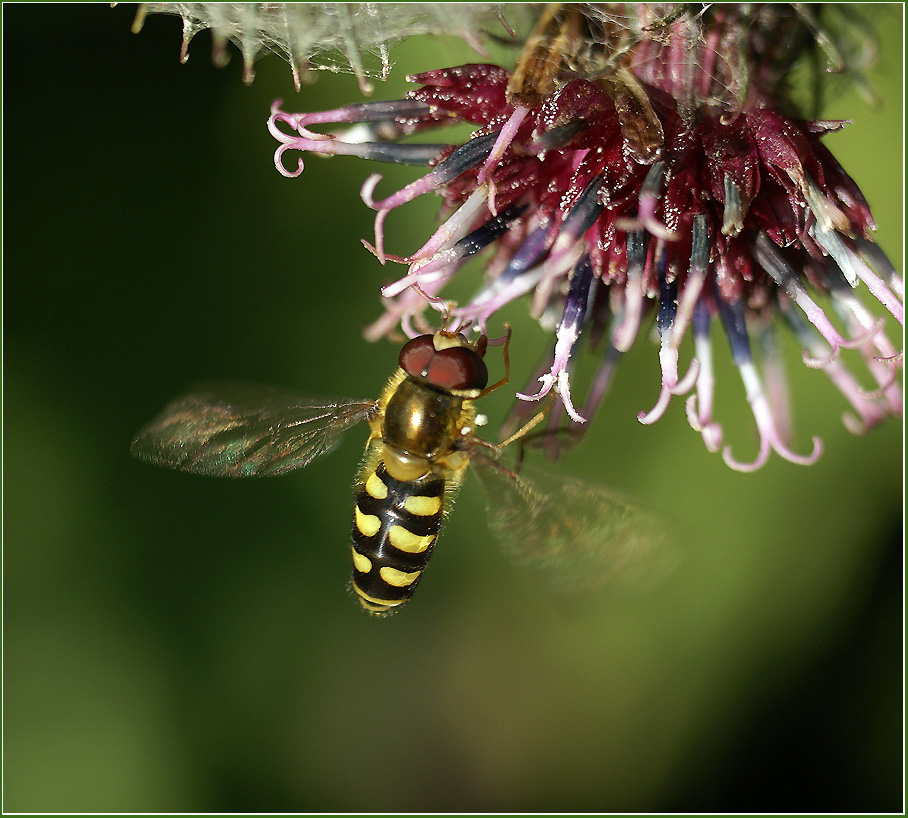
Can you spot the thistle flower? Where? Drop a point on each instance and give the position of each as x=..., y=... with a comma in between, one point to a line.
x=640, y=164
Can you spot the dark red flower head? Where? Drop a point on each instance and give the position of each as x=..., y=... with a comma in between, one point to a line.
x=627, y=174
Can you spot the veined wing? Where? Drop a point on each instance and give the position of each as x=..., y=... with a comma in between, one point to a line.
x=243, y=430
x=582, y=536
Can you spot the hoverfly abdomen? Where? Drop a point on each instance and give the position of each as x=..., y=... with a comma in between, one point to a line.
x=395, y=525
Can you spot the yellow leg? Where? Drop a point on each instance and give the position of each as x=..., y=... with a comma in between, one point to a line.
x=521, y=432
x=531, y=424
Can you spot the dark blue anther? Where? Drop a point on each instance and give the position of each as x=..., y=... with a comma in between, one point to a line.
x=578, y=294
x=637, y=246
x=771, y=260
x=465, y=157
x=733, y=322
x=699, y=259
x=530, y=252
x=559, y=136
x=875, y=257
x=830, y=275
x=668, y=297
x=485, y=234
x=420, y=154
x=388, y=110
x=652, y=184
x=584, y=211
x=699, y=245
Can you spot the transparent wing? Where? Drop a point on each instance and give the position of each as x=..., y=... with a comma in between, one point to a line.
x=243, y=430
x=582, y=536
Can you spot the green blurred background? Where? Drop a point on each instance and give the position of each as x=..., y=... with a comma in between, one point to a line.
x=180, y=644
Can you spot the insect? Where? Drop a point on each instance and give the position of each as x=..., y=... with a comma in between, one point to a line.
x=420, y=444
x=567, y=42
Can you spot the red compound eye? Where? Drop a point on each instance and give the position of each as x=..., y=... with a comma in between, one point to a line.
x=416, y=354
x=456, y=367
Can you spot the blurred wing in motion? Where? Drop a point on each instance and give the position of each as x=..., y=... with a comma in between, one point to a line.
x=243, y=430
x=583, y=536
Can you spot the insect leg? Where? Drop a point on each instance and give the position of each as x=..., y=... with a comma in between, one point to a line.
x=521, y=432
x=529, y=425
x=507, y=365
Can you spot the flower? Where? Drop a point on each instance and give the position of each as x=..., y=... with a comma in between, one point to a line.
x=641, y=163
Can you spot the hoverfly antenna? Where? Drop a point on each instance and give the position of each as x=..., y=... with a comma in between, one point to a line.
x=461, y=329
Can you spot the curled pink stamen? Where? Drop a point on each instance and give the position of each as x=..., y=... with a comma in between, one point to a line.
x=710, y=431
x=699, y=407
x=887, y=383
x=689, y=380
x=658, y=410
x=563, y=388
x=819, y=362
x=770, y=439
x=671, y=385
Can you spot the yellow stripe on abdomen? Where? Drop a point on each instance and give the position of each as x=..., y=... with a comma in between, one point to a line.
x=375, y=487
x=386, y=603
x=361, y=562
x=404, y=540
x=368, y=524
x=399, y=579
x=423, y=506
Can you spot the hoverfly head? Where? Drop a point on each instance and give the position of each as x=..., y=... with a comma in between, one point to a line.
x=446, y=360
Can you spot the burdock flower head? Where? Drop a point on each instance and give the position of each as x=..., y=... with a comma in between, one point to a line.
x=640, y=164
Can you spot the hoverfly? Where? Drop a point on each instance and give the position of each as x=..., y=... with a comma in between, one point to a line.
x=420, y=444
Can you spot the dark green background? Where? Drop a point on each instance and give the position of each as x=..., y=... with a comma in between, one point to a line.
x=176, y=643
